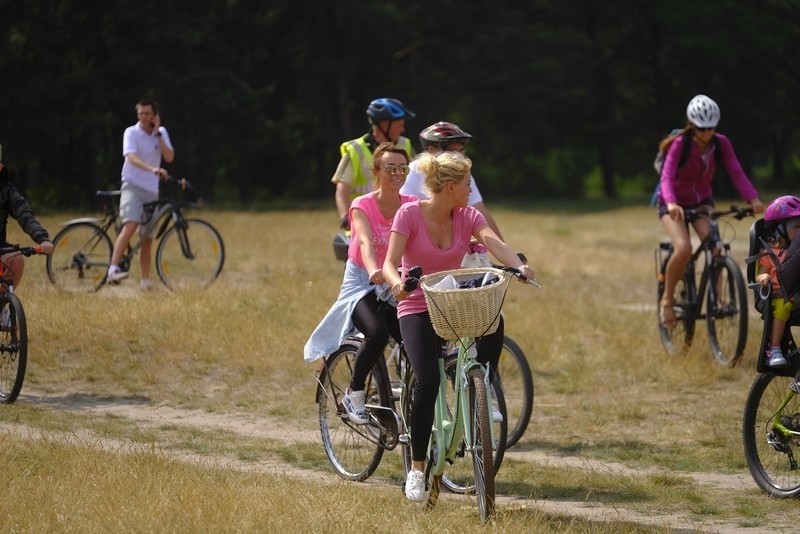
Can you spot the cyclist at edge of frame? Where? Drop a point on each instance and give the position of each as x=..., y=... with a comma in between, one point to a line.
x=353, y=176
x=686, y=183
x=14, y=204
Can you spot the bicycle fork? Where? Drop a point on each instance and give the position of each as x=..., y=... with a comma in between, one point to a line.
x=456, y=433
x=784, y=428
x=183, y=237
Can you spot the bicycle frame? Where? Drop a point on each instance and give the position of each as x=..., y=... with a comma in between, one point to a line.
x=388, y=419
x=711, y=247
x=449, y=433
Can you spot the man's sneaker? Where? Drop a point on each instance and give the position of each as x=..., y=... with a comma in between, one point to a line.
x=775, y=357
x=114, y=274
x=146, y=283
x=415, y=486
x=354, y=404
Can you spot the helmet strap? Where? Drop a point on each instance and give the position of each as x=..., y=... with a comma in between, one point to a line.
x=386, y=131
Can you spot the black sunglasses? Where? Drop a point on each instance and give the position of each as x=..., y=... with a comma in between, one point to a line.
x=703, y=129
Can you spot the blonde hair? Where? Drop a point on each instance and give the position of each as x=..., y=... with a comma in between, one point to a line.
x=443, y=167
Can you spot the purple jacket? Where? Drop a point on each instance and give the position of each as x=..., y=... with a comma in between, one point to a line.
x=691, y=184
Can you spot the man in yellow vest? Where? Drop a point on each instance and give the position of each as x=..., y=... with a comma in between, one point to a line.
x=353, y=176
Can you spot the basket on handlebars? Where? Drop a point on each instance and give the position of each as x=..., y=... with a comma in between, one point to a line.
x=470, y=312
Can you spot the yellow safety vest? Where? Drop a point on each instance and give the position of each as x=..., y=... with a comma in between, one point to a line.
x=361, y=159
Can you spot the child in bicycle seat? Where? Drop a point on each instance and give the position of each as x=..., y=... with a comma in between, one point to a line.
x=783, y=219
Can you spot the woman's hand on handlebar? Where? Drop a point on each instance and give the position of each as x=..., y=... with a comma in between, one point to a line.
x=46, y=247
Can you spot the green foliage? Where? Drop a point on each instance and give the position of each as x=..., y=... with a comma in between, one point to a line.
x=563, y=98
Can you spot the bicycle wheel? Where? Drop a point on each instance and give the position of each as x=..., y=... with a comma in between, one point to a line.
x=13, y=348
x=769, y=449
x=80, y=257
x=482, y=446
x=353, y=450
x=727, y=317
x=459, y=477
x=190, y=255
x=678, y=338
x=516, y=380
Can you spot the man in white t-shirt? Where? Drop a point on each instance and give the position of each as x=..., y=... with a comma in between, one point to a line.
x=435, y=138
x=143, y=146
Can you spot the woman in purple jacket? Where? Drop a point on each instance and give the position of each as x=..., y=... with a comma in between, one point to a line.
x=686, y=183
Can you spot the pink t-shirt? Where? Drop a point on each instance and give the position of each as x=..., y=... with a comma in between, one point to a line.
x=420, y=249
x=381, y=228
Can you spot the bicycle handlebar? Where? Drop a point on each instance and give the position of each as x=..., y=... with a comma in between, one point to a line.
x=521, y=277
x=25, y=251
x=738, y=213
x=182, y=182
x=412, y=281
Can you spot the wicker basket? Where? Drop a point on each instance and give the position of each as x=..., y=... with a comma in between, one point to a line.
x=471, y=312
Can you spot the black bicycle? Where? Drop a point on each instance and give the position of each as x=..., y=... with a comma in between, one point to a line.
x=354, y=450
x=13, y=331
x=720, y=298
x=190, y=251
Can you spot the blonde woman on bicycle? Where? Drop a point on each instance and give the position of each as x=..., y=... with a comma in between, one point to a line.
x=364, y=302
x=435, y=234
x=689, y=166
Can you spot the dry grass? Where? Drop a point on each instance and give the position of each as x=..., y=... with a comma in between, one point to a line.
x=605, y=390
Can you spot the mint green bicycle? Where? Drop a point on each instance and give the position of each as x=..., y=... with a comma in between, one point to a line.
x=463, y=420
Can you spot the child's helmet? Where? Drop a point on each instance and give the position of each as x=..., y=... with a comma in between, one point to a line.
x=781, y=215
x=782, y=208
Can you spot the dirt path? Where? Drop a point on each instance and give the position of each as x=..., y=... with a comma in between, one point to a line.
x=144, y=413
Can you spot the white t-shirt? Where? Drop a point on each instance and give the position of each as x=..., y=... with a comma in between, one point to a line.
x=415, y=185
x=147, y=148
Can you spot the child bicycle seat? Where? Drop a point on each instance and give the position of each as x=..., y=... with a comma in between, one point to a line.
x=759, y=247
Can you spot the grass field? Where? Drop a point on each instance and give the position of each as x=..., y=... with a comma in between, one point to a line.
x=161, y=411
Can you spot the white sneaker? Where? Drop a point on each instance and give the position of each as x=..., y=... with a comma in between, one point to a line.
x=354, y=403
x=415, y=486
x=115, y=274
x=775, y=357
x=146, y=283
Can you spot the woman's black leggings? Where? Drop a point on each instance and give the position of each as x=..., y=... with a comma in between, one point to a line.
x=423, y=347
x=377, y=320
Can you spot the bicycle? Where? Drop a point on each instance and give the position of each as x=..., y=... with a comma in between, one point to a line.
x=13, y=331
x=725, y=310
x=355, y=451
x=463, y=420
x=516, y=377
x=771, y=416
x=190, y=252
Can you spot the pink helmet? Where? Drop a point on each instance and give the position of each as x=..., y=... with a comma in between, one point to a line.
x=782, y=208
